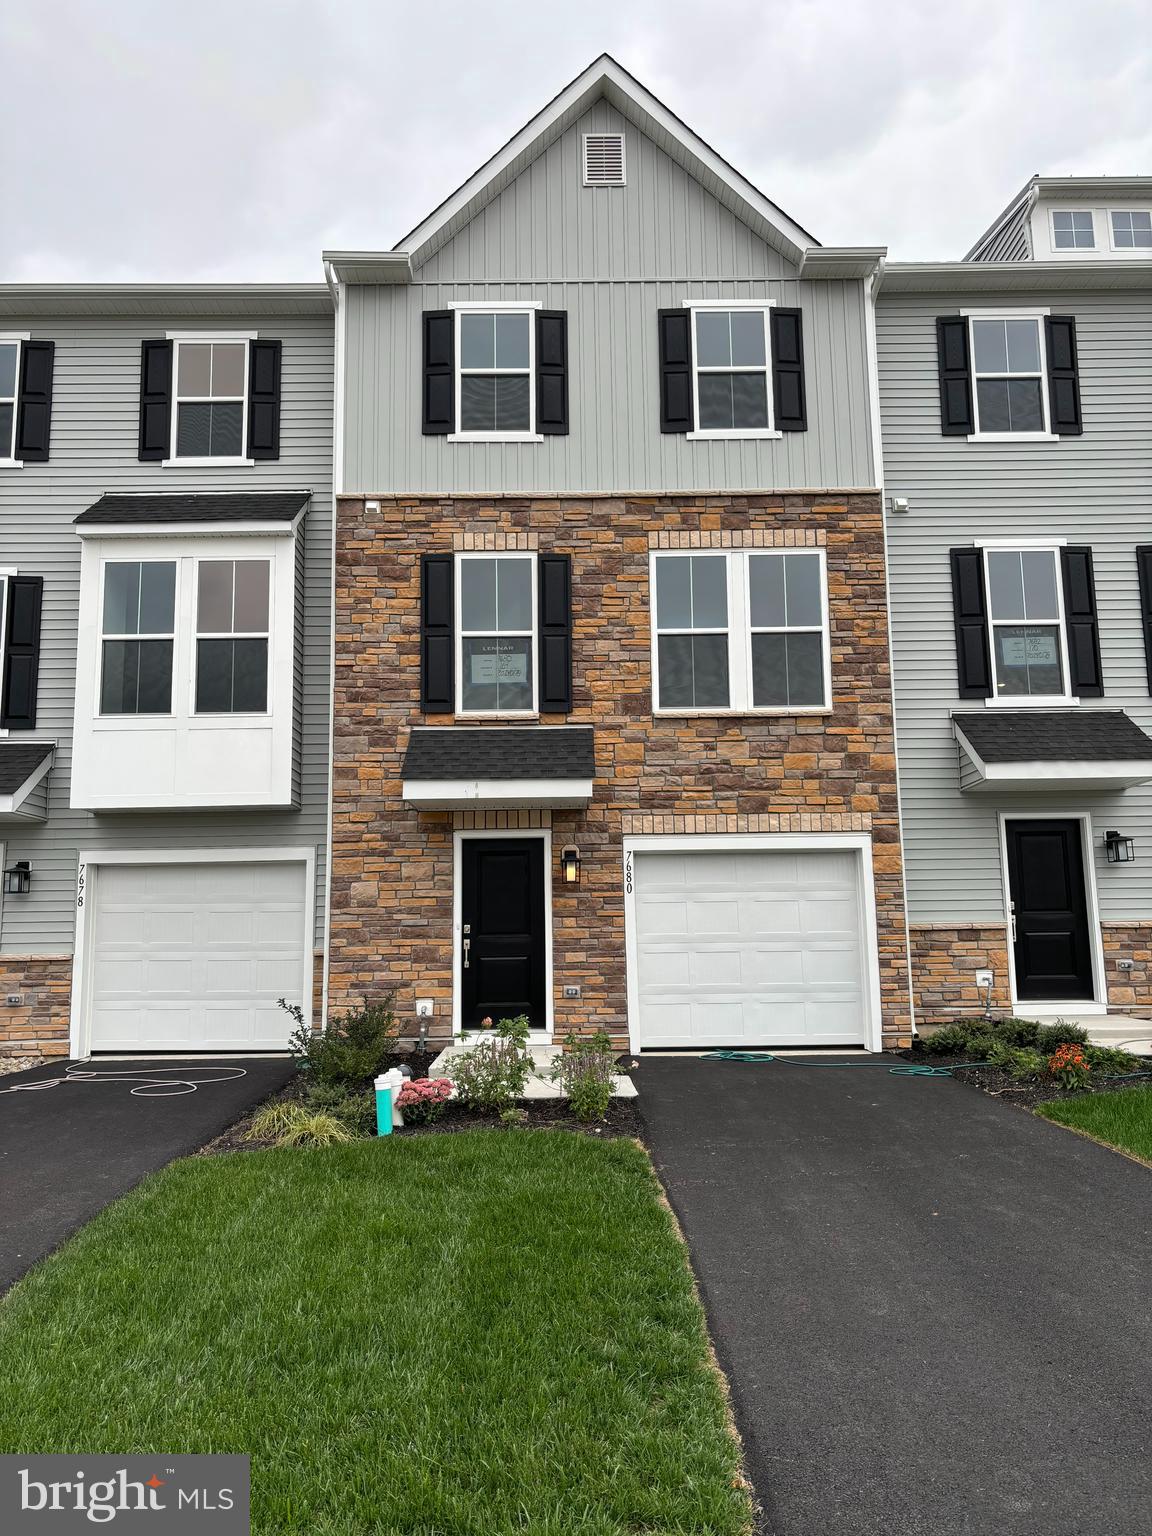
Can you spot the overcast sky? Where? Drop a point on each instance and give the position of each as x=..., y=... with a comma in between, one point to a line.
x=221, y=139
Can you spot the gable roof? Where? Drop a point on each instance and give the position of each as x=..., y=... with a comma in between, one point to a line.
x=1013, y=218
x=605, y=77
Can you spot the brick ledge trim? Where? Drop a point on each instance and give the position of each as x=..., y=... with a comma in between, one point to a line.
x=641, y=825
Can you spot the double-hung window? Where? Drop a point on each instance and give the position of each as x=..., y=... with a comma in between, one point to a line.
x=211, y=399
x=496, y=634
x=731, y=353
x=232, y=637
x=1026, y=618
x=137, y=627
x=1131, y=229
x=741, y=631
x=9, y=386
x=495, y=349
x=1073, y=229
x=1008, y=366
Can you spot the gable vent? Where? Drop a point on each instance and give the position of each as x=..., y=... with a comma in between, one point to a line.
x=603, y=159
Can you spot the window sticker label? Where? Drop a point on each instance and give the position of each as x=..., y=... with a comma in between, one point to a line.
x=1029, y=650
x=487, y=670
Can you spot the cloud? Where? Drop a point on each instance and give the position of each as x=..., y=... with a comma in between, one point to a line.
x=237, y=138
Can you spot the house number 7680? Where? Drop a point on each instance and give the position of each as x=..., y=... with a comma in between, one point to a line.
x=628, y=873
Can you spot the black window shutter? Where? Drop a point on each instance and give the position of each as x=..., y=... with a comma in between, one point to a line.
x=676, y=413
x=1063, y=377
x=1087, y=679
x=34, y=412
x=155, y=399
x=788, y=370
x=21, y=653
x=439, y=388
x=437, y=635
x=1144, y=572
x=970, y=612
x=555, y=600
x=264, y=399
x=956, y=416
x=552, y=372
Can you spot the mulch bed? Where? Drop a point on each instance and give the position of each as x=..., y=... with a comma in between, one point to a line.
x=999, y=1085
x=623, y=1117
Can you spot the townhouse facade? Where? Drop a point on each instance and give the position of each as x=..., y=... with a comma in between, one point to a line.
x=613, y=734
x=1016, y=401
x=165, y=541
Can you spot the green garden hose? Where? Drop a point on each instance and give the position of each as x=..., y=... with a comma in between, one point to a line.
x=902, y=1069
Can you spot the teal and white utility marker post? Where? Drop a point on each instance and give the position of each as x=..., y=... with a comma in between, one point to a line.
x=388, y=1086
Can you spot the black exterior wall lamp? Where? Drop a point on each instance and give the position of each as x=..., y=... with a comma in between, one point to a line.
x=1119, y=849
x=18, y=878
x=570, y=865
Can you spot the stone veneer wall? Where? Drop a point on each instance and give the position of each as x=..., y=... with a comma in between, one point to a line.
x=1128, y=989
x=38, y=1029
x=392, y=873
x=945, y=959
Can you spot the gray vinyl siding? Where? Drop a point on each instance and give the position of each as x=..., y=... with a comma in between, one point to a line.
x=1094, y=490
x=1008, y=243
x=94, y=449
x=610, y=257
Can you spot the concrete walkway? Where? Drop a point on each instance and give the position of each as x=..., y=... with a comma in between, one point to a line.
x=935, y=1311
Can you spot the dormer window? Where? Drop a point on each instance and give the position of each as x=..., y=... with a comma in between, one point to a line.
x=1131, y=229
x=1073, y=229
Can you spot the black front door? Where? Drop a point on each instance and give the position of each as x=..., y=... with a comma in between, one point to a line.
x=1052, y=948
x=503, y=965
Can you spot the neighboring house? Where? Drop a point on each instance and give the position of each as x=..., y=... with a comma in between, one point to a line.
x=1016, y=398
x=165, y=540
x=613, y=737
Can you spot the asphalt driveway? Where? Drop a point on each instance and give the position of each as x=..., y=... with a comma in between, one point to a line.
x=67, y=1150
x=933, y=1309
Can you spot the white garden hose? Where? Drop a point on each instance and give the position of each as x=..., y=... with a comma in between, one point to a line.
x=150, y=1085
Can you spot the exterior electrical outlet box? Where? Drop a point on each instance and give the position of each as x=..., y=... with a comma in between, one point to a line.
x=423, y=1007
x=571, y=991
x=1125, y=965
x=15, y=999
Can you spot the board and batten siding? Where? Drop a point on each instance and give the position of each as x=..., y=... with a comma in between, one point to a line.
x=1094, y=490
x=611, y=257
x=95, y=426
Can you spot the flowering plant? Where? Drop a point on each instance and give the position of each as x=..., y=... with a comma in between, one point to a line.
x=422, y=1099
x=1069, y=1066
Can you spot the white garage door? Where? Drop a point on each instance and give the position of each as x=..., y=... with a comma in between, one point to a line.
x=749, y=948
x=194, y=956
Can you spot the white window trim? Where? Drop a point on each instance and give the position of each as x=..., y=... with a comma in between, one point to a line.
x=16, y=339
x=268, y=636
x=206, y=338
x=732, y=434
x=1127, y=250
x=1028, y=700
x=739, y=633
x=1037, y=314
x=102, y=636
x=1065, y=250
x=458, y=636
x=489, y=306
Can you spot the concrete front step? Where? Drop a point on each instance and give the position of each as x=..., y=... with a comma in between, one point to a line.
x=1120, y=1031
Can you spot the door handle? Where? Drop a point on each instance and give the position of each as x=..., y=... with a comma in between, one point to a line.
x=1012, y=917
x=467, y=947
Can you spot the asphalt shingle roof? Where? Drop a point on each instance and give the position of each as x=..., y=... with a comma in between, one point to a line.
x=499, y=752
x=223, y=507
x=19, y=761
x=1055, y=736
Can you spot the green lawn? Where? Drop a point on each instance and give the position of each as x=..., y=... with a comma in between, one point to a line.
x=1122, y=1119
x=466, y=1335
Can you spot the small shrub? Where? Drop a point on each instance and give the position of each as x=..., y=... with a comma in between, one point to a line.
x=951, y=1040
x=585, y=1073
x=1069, y=1066
x=491, y=1076
x=1108, y=1062
x=1060, y=1033
x=422, y=1099
x=314, y=1130
x=293, y=1125
x=513, y=1116
x=353, y=1049
x=1023, y=1065
x=271, y=1121
x=1015, y=1031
